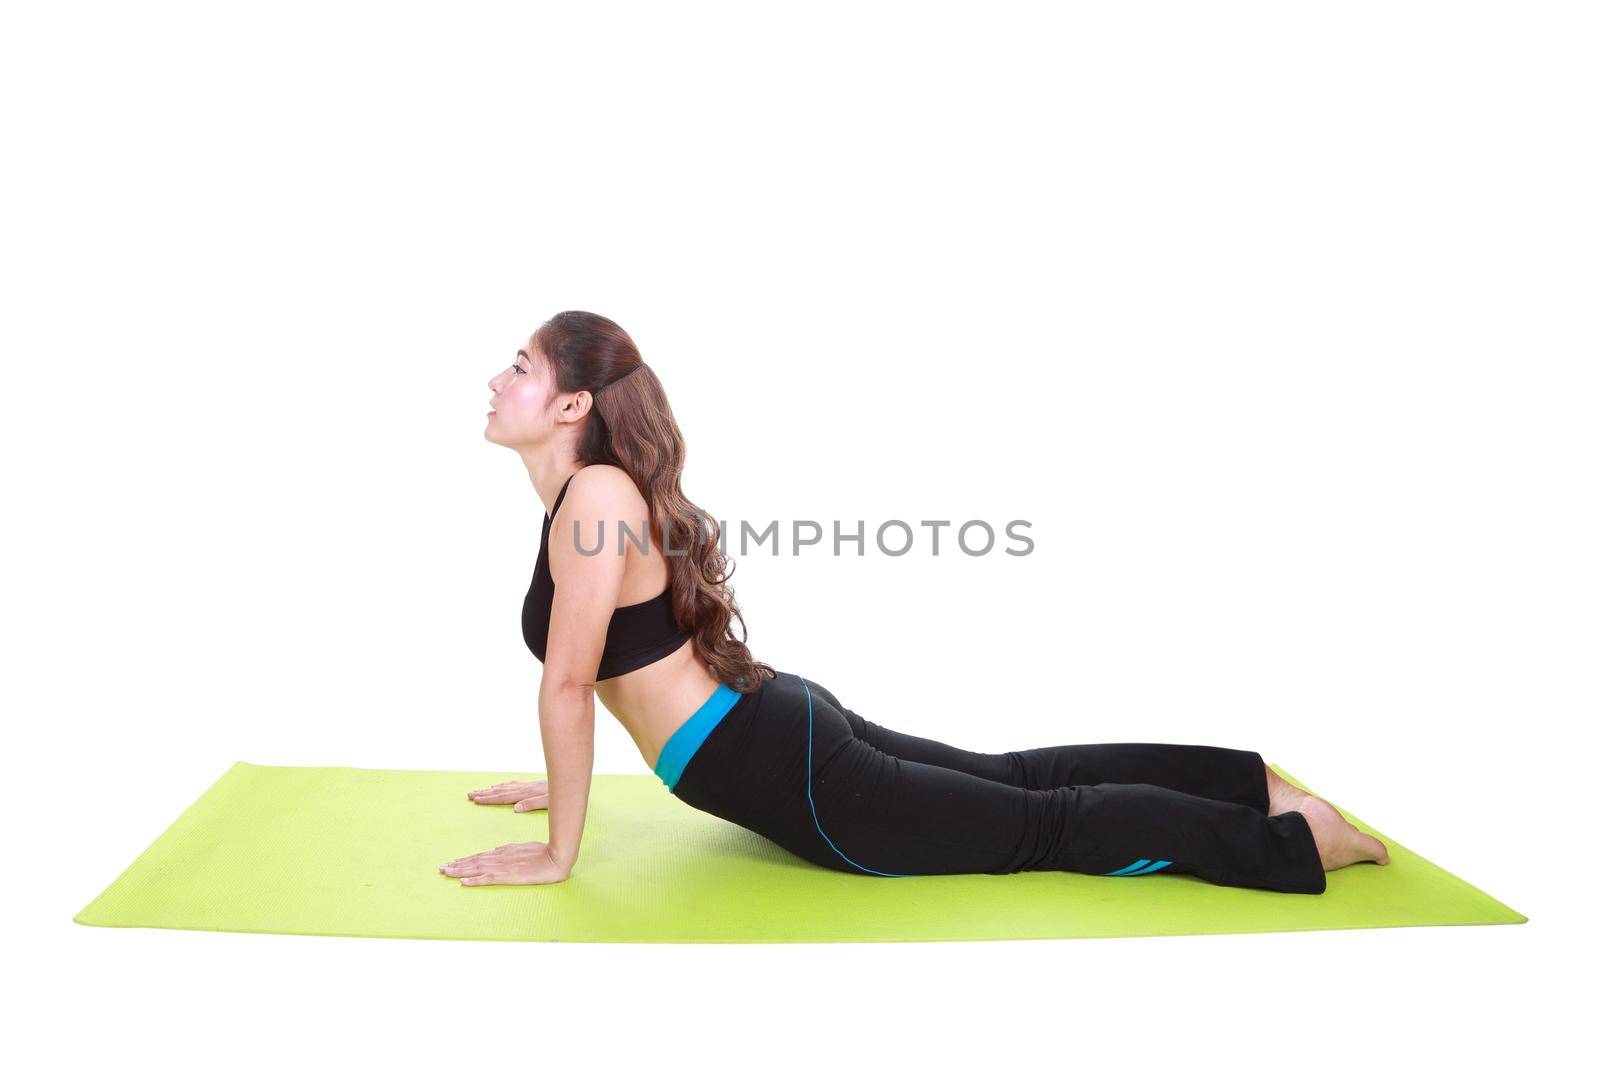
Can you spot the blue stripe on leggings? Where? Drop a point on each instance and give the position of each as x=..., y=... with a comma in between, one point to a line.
x=1134, y=867
x=813, y=803
x=685, y=740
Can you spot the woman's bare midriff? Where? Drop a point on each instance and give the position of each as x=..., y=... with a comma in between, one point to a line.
x=653, y=701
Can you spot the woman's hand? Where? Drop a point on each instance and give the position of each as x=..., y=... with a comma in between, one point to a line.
x=527, y=863
x=527, y=796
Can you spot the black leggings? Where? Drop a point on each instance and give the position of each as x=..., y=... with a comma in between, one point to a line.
x=883, y=803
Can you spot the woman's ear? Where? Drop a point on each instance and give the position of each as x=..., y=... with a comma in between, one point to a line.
x=576, y=405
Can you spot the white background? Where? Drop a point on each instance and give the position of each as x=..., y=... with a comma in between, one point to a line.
x=1276, y=321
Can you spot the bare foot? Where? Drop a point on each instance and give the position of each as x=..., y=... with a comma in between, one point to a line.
x=1281, y=796
x=1338, y=842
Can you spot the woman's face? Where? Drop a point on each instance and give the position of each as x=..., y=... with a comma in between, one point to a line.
x=520, y=409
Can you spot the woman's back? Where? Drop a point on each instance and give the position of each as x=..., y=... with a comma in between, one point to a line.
x=639, y=634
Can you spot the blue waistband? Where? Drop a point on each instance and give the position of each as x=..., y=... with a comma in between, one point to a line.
x=685, y=740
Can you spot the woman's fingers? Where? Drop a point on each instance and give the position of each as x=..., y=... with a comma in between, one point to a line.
x=476, y=865
x=518, y=863
x=487, y=856
x=496, y=794
x=506, y=792
x=497, y=785
x=482, y=863
x=478, y=857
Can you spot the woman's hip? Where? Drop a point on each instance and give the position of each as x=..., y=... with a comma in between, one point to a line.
x=755, y=760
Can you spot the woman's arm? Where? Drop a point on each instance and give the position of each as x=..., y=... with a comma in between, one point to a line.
x=587, y=587
x=566, y=728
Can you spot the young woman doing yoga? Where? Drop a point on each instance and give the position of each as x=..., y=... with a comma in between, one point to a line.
x=650, y=632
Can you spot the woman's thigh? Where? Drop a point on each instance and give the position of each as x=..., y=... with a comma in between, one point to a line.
x=995, y=767
x=868, y=812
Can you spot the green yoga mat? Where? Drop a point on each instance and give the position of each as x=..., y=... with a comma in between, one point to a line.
x=356, y=852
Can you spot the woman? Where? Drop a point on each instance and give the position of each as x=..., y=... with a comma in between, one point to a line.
x=649, y=631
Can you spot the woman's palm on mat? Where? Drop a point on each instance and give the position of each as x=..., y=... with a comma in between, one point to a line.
x=522, y=863
x=527, y=796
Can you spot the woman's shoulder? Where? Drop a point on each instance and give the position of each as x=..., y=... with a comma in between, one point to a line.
x=604, y=489
x=604, y=476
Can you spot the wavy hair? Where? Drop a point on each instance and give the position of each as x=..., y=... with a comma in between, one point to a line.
x=631, y=426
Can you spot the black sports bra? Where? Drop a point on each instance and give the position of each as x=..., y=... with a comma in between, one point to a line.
x=639, y=634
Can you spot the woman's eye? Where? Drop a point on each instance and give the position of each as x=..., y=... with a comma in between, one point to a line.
x=518, y=369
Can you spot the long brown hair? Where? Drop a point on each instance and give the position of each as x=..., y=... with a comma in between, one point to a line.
x=631, y=426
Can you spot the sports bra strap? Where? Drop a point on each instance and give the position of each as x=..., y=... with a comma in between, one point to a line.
x=562, y=495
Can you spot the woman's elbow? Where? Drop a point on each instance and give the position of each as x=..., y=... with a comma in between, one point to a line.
x=566, y=684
